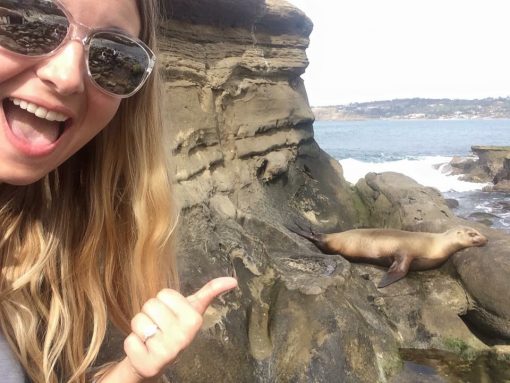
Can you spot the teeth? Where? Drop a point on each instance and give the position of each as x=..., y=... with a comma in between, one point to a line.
x=39, y=111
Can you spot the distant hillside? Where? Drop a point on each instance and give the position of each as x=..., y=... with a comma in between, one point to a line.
x=417, y=108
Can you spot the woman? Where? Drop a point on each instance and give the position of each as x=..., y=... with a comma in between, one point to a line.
x=85, y=208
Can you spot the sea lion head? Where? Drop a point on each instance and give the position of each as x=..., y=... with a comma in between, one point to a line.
x=469, y=237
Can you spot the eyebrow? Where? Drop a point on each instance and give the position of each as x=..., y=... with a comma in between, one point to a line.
x=117, y=28
x=119, y=23
x=116, y=21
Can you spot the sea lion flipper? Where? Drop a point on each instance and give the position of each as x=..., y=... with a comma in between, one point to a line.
x=391, y=277
x=396, y=272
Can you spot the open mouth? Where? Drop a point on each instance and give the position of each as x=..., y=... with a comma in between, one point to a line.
x=33, y=124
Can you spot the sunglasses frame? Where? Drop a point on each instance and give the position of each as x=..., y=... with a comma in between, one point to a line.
x=77, y=31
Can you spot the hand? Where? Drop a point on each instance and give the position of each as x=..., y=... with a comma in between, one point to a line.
x=178, y=319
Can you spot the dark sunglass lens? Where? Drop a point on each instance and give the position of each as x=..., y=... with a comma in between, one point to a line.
x=117, y=63
x=31, y=27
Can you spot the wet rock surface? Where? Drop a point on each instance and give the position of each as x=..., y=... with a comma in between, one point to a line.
x=491, y=164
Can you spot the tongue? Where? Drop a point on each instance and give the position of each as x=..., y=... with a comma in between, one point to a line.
x=30, y=128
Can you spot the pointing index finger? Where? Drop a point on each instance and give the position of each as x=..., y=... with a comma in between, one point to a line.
x=203, y=297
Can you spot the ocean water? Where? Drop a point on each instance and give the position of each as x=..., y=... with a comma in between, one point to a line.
x=420, y=149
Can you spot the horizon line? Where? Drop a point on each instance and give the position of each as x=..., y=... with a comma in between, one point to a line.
x=412, y=98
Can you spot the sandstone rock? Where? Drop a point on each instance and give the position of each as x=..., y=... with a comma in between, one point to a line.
x=461, y=165
x=397, y=201
x=246, y=166
x=502, y=178
x=485, y=276
x=492, y=157
x=492, y=165
x=502, y=186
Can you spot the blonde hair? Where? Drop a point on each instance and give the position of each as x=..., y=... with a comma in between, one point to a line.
x=89, y=242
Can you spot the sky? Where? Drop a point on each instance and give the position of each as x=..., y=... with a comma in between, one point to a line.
x=369, y=50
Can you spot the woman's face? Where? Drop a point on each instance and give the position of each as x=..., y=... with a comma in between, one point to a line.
x=30, y=146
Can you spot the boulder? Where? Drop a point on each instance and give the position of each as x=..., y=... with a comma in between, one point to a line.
x=484, y=273
x=491, y=164
x=502, y=177
x=397, y=201
x=492, y=157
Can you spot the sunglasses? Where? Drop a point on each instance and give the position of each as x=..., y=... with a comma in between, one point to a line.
x=117, y=63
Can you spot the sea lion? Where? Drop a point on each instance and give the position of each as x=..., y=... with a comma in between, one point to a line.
x=399, y=250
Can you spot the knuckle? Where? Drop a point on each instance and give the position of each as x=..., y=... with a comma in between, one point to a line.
x=130, y=344
x=150, y=304
x=146, y=368
x=166, y=291
x=135, y=321
x=167, y=294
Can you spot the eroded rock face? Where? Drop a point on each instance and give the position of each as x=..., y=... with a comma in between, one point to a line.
x=246, y=167
x=491, y=165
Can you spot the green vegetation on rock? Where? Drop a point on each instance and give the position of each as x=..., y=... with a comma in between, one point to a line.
x=461, y=348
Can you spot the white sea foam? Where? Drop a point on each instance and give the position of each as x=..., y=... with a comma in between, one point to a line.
x=424, y=170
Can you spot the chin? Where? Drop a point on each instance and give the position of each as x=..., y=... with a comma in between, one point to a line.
x=19, y=178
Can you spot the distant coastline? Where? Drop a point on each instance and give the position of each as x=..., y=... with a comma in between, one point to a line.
x=417, y=108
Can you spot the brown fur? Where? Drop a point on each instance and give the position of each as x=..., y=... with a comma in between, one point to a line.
x=398, y=249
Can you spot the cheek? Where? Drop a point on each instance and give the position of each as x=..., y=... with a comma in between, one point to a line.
x=101, y=109
x=12, y=66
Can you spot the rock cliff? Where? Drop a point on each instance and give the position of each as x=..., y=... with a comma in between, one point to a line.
x=491, y=165
x=246, y=167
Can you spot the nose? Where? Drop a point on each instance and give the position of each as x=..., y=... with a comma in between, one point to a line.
x=65, y=70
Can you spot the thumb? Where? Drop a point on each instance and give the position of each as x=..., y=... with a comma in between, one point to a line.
x=203, y=297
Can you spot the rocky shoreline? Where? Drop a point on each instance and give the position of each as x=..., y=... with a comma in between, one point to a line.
x=246, y=167
x=417, y=108
x=490, y=164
